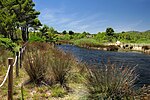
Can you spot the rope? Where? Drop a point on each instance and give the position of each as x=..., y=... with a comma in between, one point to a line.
x=22, y=50
x=19, y=54
x=5, y=76
x=15, y=61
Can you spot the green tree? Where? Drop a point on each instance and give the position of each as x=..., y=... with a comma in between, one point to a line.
x=44, y=30
x=15, y=14
x=64, y=32
x=26, y=15
x=71, y=32
x=110, y=31
x=7, y=18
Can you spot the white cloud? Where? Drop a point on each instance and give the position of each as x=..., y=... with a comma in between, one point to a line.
x=77, y=22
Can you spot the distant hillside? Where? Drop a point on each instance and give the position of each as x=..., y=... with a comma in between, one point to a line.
x=133, y=31
x=147, y=31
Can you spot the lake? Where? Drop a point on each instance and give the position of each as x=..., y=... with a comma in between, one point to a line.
x=132, y=59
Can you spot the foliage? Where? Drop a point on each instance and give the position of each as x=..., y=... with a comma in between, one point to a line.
x=111, y=82
x=18, y=14
x=4, y=55
x=8, y=44
x=109, y=31
x=101, y=37
x=36, y=61
x=36, y=39
x=64, y=37
x=71, y=33
x=58, y=91
x=86, y=42
x=36, y=64
x=64, y=32
x=44, y=63
x=49, y=33
x=60, y=66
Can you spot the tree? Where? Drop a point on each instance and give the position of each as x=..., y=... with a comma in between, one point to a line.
x=26, y=15
x=49, y=33
x=109, y=31
x=44, y=29
x=36, y=24
x=15, y=14
x=7, y=18
x=64, y=32
x=71, y=32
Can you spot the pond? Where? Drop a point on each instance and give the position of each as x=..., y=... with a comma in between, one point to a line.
x=128, y=58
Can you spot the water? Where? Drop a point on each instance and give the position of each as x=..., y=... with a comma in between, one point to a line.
x=128, y=58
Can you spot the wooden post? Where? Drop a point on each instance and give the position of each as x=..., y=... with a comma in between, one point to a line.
x=20, y=49
x=17, y=68
x=10, y=79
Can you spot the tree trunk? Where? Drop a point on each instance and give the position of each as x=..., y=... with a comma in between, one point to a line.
x=23, y=29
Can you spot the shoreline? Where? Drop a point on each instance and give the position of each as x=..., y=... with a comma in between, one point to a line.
x=116, y=48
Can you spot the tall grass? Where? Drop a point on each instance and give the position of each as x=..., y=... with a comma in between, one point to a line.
x=36, y=61
x=87, y=43
x=61, y=66
x=111, y=82
x=50, y=65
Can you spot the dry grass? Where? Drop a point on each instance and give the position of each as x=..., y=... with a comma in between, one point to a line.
x=111, y=81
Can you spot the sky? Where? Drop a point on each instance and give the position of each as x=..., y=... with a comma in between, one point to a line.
x=95, y=15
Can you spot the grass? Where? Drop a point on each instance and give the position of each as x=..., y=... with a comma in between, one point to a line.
x=109, y=81
x=92, y=43
x=85, y=42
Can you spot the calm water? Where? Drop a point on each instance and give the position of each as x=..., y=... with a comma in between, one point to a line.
x=129, y=58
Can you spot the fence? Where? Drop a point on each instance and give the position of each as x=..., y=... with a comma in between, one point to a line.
x=9, y=73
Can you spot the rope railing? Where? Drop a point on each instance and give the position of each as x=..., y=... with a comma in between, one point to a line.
x=9, y=73
x=5, y=76
x=15, y=61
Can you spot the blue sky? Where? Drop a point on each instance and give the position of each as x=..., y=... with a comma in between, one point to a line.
x=95, y=15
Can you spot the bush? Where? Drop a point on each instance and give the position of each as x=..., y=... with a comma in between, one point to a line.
x=36, y=61
x=8, y=44
x=46, y=64
x=110, y=82
x=36, y=64
x=87, y=43
x=36, y=39
x=60, y=66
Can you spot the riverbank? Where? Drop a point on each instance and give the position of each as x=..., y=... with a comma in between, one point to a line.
x=121, y=47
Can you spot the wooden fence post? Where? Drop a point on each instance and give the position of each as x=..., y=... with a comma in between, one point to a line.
x=10, y=79
x=20, y=49
x=17, y=68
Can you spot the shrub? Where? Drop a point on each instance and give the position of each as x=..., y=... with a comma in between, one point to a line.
x=87, y=43
x=44, y=63
x=36, y=64
x=8, y=44
x=36, y=61
x=36, y=39
x=110, y=81
x=60, y=66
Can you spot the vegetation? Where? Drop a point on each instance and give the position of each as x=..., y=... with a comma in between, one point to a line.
x=17, y=14
x=109, y=81
x=46, y=64
x=55, y=74
x=52, y=73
